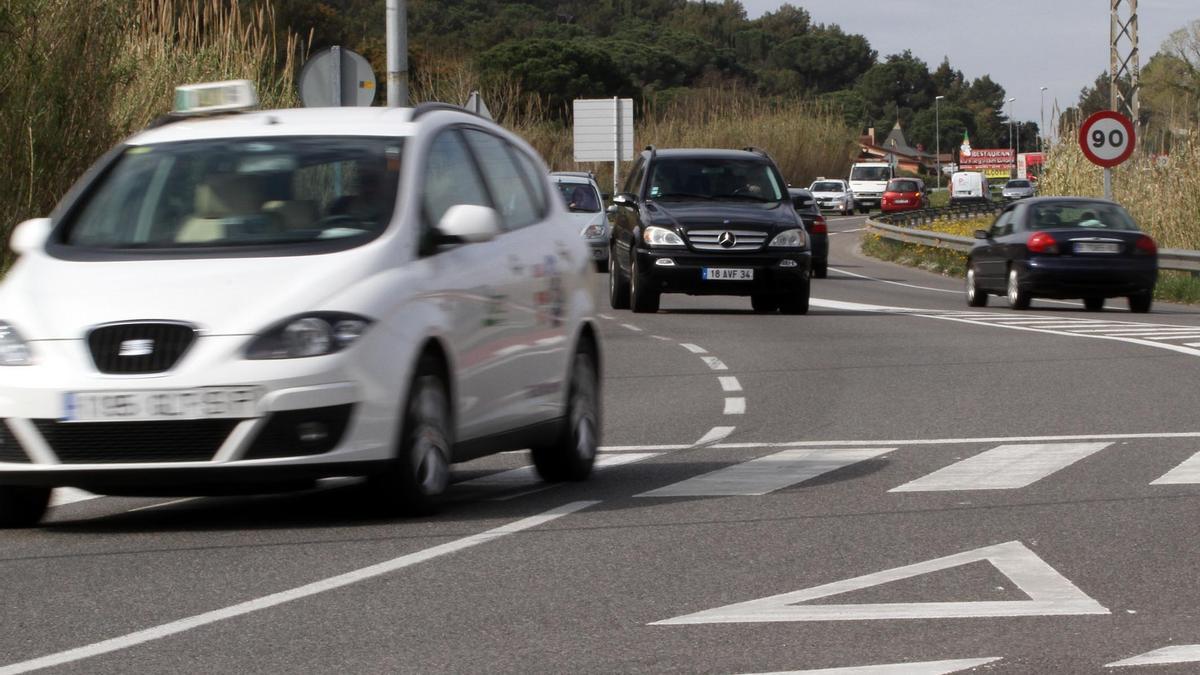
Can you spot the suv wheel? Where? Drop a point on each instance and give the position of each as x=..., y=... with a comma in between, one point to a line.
x=1094, y=303
x=641, y=298
x=420, y=471
x=763, y=303
x=22, y=506
x=618, y=285
x=572, y=455
x=820, y=270
x=796, y=302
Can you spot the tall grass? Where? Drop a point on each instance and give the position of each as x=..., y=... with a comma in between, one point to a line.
x=78, y=76
x=1165, y=200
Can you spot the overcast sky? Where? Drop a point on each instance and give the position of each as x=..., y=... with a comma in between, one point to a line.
x=1023, y=44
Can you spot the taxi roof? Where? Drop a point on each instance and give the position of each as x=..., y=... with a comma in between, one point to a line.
x=347, y=121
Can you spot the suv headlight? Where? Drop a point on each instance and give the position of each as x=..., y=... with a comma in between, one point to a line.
x=789, y=239
x=660, y=236
x=307, y=335
x=593, y=231
x=14, y=351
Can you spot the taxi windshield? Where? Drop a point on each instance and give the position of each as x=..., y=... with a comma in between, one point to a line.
x=580, y=197
x=827, y=187
x=240, y=192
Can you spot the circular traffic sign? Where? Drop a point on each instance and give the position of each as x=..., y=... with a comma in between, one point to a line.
x=1107, y=138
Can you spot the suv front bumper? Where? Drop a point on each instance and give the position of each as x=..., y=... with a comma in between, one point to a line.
x=774, y=271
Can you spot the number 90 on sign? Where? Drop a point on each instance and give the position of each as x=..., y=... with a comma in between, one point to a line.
x=1107, y=138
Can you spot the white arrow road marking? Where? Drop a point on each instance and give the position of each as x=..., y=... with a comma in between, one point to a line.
x=1186, y=473
x=298, y=593
x=714, y=434
x=64, y=496
x=922, y=668
x=1004, y=467
x=525, y=475
x=1172, y=654
x=1050, y=593
x=766, y=474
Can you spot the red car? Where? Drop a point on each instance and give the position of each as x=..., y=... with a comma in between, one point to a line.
x=904, y=194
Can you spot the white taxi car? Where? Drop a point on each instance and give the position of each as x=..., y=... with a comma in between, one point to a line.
x=257, y=299
x=582, y=196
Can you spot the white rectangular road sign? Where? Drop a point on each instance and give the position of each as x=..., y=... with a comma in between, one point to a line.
x=598, y=130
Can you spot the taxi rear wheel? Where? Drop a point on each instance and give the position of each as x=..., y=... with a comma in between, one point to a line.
x=22, y=506
x=573, y=453
x=618, y=285
x=420, y=472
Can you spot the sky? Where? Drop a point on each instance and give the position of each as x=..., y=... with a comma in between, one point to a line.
x=1022, y=44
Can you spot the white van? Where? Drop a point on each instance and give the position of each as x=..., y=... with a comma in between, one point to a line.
x=969, y=186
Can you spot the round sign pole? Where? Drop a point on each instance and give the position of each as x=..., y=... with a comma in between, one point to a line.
x=1107, y=139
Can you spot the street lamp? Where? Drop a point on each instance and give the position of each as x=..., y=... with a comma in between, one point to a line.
x=1042, y=124
x=937, y=139
x=1010, y=132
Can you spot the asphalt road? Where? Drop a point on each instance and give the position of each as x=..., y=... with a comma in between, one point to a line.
x=891, y=479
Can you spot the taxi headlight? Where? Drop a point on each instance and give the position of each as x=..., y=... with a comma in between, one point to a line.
x=308, y=335
x=14, y=351
x=593, y=231
x=661, y=236
x=789, y=239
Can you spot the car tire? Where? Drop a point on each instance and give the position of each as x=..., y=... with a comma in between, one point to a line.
x=975, y=296
x=1093, y=304
x=618, y=285
x=763, y=303
x=820, y=270
x=796, y=302
x=601, y=266
x=1141, y=302
x=23, y=506
x=573, y=453
x=419, y=474
x=1017, y=298
x=641, y=299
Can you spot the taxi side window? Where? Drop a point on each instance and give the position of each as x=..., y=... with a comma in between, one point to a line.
x=533, y=175
x=504, y=181
x=450, y=178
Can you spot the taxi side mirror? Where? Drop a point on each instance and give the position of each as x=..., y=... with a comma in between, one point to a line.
x=29, y=235
x=624, y=199
x=469, y=223
x=982, y=234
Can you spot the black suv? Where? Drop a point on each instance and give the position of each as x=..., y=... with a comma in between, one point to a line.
x=707, y=222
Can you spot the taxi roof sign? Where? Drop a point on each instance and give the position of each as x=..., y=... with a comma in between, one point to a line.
x=213, y=97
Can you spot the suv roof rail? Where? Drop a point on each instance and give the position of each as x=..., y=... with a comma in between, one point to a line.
x=758, y=151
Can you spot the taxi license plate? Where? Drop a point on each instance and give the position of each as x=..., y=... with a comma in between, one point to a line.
x=178, y=404
x=728, y=274
x=1096, y=247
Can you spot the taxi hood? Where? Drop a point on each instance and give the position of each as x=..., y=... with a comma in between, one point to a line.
x=48, y=298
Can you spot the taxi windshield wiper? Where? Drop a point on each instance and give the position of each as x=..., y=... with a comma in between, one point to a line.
x=753, y=198
x=683, y=195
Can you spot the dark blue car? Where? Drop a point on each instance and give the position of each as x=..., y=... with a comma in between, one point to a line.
x=1063, y=247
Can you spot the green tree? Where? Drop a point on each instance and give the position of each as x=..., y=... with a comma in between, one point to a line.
x=557, y=70
x=825, y=59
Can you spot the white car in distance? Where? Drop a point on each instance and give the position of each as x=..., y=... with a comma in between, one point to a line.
x=254, y=300
x=582, y=196
x=833, y=195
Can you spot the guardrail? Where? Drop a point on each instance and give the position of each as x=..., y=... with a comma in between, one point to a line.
x=905, y=227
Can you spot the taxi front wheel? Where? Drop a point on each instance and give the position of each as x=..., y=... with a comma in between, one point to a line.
x=420, y=472
x=572, y=454
x=22, y=506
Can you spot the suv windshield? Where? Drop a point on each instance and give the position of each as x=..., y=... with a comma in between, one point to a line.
x=580, y=197
x=1088, y=215
x=240, y=192
x=827, y=187
x=715, y=178
x=870, y=173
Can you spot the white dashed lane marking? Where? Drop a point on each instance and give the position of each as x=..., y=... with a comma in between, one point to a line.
x=730, y=383
x=631, y=327
x=735, y=405
x=767, y=474
x=714, y=363
x=695, y=349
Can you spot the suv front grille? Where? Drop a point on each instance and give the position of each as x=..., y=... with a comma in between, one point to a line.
x=138, y=348
x=135, y=442
x=10, y=448
x=709, y=240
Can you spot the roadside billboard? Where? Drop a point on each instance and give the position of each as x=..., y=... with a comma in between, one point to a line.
x=993, y=162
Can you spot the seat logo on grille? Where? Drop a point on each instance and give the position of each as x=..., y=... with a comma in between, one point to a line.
x=136, y=348
x=727, y=240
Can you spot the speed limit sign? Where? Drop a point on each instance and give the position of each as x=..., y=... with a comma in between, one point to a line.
x=1107, y=138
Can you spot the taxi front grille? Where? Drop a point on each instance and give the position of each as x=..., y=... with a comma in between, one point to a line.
x=139, y=348
x=10, y=448
x=719, y=240
x=135, y=442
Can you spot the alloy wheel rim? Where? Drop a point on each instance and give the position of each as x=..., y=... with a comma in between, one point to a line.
x=430, y=449
x=1013, y=292
x=971, y=292
x=583, y=414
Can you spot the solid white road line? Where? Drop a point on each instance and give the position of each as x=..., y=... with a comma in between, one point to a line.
x=730, y=383
x=631, y=327
x=919, y=668
x=1003, y=468
x=64, y=496
x=695, y=349
x=525, y=475
x=298, y=593
x=162, y=504
x=1172, y=654
x=735, y=405
x=893, y=283
x=713, y=435
x=714, y=363
x=766, y=474
x=605, y=316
